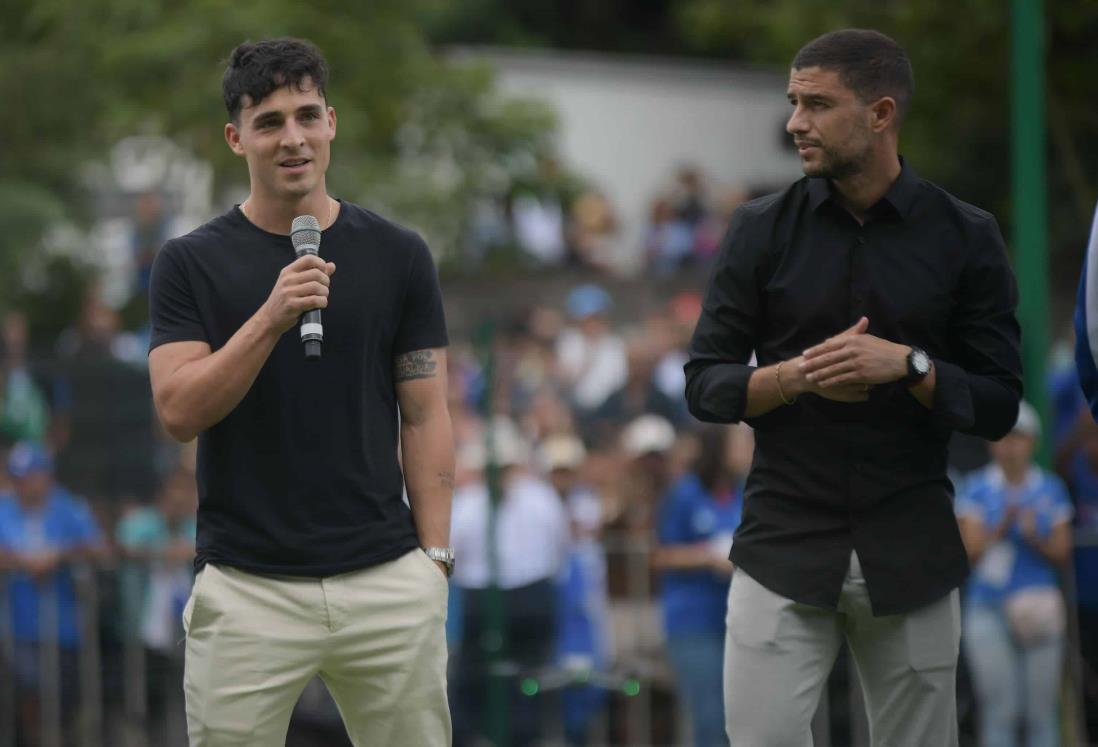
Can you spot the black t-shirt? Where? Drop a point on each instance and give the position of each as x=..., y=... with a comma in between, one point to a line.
x=302, y=477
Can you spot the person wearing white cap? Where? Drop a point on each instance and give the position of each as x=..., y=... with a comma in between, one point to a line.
x=1015, y=520
x=530, y=542
x=583, y=626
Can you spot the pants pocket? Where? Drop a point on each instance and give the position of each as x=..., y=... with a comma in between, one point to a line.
x=188, y=608
x=933, y=634
x=754, y=612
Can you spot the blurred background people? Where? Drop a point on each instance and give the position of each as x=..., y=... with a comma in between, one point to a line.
x=697, y=519
x=156, y=547
x=519, y=546
x=44, y=531
x=591, y=356
x=582, y=615
x=1015, y=520
x=24, y=407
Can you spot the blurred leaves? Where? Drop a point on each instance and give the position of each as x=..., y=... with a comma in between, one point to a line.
x=78, y=75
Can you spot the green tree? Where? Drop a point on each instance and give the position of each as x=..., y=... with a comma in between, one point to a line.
x=419, y=136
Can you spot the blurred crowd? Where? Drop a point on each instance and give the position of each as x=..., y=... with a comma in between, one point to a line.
x=556, y=220
x=585, y=493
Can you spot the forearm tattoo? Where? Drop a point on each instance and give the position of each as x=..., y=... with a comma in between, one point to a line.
x=418, y=364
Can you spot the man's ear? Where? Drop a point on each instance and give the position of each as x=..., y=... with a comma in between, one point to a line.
x=885, y=114
x=232, y=137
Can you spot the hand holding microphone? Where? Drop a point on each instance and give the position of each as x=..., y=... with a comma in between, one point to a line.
x=301, y=288
x=305, y=235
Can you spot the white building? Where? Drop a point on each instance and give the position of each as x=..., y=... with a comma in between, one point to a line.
x=627, y=123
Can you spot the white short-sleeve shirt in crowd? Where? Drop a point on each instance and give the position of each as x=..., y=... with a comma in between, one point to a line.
x=531, y=530
x=599, y=366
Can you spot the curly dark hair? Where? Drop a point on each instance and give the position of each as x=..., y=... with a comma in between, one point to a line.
x=257, y=69
x=868, y=63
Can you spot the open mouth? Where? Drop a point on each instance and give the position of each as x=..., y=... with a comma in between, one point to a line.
x=295, y=163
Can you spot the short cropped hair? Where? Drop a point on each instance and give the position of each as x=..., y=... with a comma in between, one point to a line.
x=258, y=69
x=869, y=63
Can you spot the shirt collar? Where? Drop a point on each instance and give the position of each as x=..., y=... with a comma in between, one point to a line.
x=899, y=197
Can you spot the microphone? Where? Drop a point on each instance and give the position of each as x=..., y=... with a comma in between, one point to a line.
x=305, y=235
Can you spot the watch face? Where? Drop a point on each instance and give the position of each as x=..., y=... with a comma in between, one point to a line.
x=920, y=361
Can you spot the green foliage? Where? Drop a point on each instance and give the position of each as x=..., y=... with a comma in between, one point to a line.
x=415, y=134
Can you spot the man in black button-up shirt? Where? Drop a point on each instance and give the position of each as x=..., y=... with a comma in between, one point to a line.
x=881, y=312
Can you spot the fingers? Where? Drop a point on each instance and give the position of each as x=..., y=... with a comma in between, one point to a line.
x=824, y=360
x=858, y=328
x=835, y=343
x=828, y=376
x=850, y=377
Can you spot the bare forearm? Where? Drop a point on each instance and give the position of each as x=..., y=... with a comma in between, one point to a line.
x=763, y=393
x=1056, y=549
x=202, y=392
x=683, y=557
x=428, y=454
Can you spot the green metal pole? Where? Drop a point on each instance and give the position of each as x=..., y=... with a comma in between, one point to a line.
x=1029, y=189
x=493, y=640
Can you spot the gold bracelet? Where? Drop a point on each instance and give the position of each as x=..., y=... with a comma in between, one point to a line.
x=778, y=379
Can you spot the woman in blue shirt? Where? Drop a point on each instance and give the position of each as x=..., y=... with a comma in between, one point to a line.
x=696, y=521
x=1015, y=519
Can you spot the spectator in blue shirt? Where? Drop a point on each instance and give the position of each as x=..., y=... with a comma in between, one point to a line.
x=1015, y=519
x=696, y=521
x=43, y=530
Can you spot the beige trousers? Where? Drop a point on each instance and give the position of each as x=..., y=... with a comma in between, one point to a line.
x=778, y=654
x=376, y=637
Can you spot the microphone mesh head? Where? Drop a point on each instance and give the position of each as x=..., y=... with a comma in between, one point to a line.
x=305, y=234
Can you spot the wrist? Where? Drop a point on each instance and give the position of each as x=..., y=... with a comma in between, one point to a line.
x=793, y=381
x=265, y=324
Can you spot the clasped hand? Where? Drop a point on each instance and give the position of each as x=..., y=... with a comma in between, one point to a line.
x=854, y=358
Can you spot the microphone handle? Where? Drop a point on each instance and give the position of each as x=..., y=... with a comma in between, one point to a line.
x=312, y=331
x=312, y=334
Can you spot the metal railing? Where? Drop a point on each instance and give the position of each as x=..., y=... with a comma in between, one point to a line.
x=96, y=693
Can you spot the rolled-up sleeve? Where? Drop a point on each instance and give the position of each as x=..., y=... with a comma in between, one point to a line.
x=977, y=391
x=717, y=371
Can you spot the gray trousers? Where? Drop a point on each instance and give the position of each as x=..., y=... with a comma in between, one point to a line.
x=778, y=654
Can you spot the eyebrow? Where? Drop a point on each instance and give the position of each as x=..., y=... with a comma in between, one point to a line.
x=809, y=97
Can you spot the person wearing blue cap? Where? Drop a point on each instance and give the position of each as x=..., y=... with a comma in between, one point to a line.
x=591, y=357
x=43, y=530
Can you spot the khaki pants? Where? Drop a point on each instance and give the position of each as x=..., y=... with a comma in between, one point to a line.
x=778, y=654
x=376, y=637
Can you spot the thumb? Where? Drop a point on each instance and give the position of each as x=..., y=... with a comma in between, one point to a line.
x=859, y=327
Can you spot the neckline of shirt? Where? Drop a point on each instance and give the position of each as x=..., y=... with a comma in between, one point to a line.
x=336, y=226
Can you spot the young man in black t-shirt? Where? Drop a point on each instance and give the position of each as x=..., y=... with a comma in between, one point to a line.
x=310, y=561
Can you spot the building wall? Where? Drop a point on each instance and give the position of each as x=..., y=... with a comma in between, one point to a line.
x=626, y=123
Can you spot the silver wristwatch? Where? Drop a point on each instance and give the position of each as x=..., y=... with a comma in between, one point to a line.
x=444, y=555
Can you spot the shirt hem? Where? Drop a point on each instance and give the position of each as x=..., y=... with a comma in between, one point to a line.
x=307, y=571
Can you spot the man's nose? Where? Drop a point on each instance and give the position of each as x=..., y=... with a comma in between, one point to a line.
x=796, y=123
x=293, y=136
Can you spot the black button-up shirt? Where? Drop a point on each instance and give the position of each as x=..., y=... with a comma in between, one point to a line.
x=795, y=268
